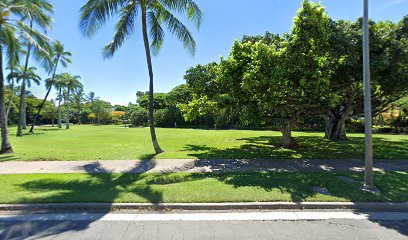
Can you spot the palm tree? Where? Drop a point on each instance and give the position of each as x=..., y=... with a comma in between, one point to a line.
x=58, y=56
x=59, y=85
x=13, y=62
x=38, y=12
x=71, y=84
x=11, y=80
x=154, y=13
x=27, y=76
x=79, y=96
x=92, y=98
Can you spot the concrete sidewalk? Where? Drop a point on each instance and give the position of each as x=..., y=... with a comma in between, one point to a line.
x=192, y=165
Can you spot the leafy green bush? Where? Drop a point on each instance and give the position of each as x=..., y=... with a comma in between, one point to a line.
x=139, y=117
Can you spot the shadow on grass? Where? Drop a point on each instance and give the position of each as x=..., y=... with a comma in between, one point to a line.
x=107, y=188
x=7, y=157
x=49, y=129
x=266, y=147
x=100, y=186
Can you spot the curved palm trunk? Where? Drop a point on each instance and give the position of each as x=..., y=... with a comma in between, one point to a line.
x=44, y=100
x=5, y=143
x=59, y=111
x=156, y=146
x=67, y=111
x=39, y=110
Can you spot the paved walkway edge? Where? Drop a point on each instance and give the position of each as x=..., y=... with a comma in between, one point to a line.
x=206, y=206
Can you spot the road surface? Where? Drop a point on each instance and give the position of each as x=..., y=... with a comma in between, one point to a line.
x=215, y=225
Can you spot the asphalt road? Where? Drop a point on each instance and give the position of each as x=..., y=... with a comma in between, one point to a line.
x=198, y=226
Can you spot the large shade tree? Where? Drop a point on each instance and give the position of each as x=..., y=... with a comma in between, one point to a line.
x=154, y=16
x=389, y=64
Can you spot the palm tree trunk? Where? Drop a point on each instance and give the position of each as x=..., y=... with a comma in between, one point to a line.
x=39, y=111
x=67, y=111
x=44, y=100
x=11, y=96
x=5, y=143
x=79, y=113
x=22, y=123
x=156, y=146
x=59, y=111
x=22, y=115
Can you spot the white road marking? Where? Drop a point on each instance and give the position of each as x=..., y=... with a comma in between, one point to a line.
x=247, y=216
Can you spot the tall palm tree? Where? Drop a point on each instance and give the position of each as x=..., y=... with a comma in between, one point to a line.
x=59, y=85
x=13, y=62
x=71, y=84
x=57, y=56
x=92, y=98
x=12, y=81
x=26, y=76
x=38, y=12
x=79, y=96
x=154, y=14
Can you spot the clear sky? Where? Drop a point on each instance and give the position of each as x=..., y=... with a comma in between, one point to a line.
x=117, y=79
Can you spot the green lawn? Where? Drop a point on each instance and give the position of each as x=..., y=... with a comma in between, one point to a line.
x=117, y=143
x=190, y=187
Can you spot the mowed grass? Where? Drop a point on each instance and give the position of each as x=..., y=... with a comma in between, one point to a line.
x=194, y=187
x=118, y=143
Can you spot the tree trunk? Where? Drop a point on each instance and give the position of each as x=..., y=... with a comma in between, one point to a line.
x=287, y=140
x=45, y=99
x=99, y=120
x=22, y=115
x=336, y=129
x=39, y=111
x=79, y=114
x=23, y=119
x=11, y=96
x=5, y=143
x=156, y=146
x=67, y=111
x=59, y=111
x=52, y=121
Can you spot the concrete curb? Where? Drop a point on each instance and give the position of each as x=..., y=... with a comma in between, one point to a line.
x=373, y=206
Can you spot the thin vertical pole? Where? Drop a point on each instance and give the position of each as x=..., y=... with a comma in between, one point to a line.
x=369, y=183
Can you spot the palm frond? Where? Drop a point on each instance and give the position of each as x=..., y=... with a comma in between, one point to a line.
x=95, y=13
x=124, y=28
x=156, y=33
x=175, y=27
x=189, y=7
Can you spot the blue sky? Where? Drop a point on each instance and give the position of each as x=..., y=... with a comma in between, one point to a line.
x=117, y=79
